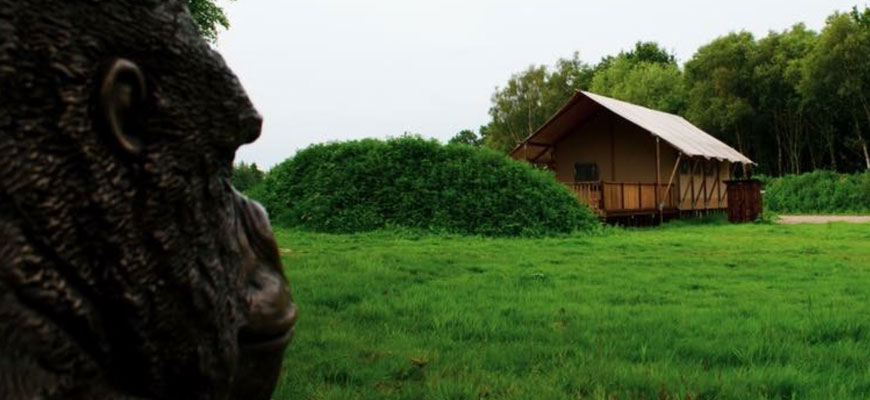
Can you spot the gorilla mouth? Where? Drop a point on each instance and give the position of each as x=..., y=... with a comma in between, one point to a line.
x=261, y=352
x=274, y=337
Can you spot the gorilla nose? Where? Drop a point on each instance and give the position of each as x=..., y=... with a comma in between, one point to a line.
x=252, y=123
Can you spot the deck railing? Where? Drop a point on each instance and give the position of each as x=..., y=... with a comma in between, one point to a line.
x=589, y=193
x=609, y=197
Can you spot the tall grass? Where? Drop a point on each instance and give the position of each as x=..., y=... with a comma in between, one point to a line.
x=819, y=192
x=409, y=182
x=695, y=312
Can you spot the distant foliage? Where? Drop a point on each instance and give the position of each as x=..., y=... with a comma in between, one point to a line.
x=420, y=184
x=246, y=176
x=654, y=85
x=821, y=192
x=466, y=137
x=209, y=17
x=793, y=101
x=531, y=97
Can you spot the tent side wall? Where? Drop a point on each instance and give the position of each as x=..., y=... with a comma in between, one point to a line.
x=626, y=153
x=587, y=143
x=622, y=151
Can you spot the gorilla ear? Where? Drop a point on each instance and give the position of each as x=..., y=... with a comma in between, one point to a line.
x=122, y=102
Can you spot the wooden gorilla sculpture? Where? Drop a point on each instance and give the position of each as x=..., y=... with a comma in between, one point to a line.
x=129, y=267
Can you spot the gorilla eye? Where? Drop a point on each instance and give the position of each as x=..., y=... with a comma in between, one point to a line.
x=122, y=100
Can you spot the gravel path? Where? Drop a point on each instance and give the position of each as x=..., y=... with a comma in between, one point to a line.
x=822, y=219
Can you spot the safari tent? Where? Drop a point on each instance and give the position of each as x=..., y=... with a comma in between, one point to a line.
x=624, y=160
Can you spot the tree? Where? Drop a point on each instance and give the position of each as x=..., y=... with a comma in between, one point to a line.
x=466, y=137
x=778, y=68
x=517, y=109
x=534, y=95
x=839, y=64
x=654, y=85
x=209, y=17
x=721, y=90
x=647, y=75
x=246, y=176
x=530, y=98
x=649, y=52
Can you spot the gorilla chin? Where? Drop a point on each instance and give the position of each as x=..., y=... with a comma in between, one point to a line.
x=129, y=266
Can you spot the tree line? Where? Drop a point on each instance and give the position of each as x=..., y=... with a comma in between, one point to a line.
x=792, y=101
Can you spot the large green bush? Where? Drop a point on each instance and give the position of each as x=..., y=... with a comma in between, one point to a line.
x=819, y=192
x=414, y=183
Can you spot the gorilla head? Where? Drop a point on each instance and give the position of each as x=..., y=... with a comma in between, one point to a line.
x=129, y=267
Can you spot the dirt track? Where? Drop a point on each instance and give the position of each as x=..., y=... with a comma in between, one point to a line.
x=822, y=219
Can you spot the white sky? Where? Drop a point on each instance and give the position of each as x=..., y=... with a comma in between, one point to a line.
x=326, y=70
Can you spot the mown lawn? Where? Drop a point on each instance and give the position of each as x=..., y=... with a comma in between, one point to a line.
x=679, y=312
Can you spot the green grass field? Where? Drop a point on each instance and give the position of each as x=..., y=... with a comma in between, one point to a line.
x=679, y=312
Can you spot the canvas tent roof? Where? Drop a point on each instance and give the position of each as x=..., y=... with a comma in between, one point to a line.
x=673, y=129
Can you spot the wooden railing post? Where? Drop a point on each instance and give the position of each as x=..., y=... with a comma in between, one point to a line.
x=639, y=195
x=601, y=195
x=622, y=194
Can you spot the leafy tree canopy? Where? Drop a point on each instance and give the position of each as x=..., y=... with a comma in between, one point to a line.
x=466, y=137
x=720, y=88
x=655, y=85
x=837, y=73
x=530, y=98
x=643, y=52
x=650, y=52
x=209, y=18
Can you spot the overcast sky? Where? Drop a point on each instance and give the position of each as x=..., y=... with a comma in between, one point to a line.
x=326, y=70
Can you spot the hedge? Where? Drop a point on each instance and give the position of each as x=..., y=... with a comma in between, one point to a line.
x=818, y=192
x=409, y=182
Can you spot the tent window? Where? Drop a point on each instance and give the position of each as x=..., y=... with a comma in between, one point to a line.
x=585, y=172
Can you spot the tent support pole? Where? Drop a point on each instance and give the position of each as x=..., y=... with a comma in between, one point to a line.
x=612, y=148
x=686, y=192
x=719, y=184
x=694, y=167
x=659, y=203
x=673, y=174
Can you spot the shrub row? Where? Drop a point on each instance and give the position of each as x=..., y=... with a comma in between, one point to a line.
x=414, y=183
x=819, y=192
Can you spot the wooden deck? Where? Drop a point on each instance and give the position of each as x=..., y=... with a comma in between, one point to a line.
x=609, y=199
